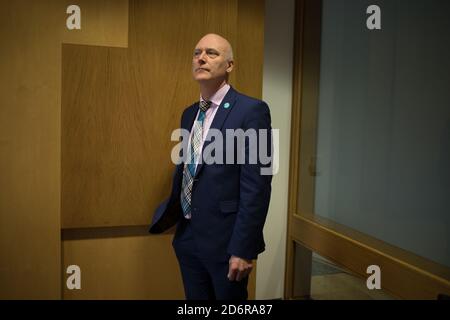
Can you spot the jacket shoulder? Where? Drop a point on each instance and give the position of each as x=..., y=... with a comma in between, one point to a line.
x=251, y=105
x=247, y=100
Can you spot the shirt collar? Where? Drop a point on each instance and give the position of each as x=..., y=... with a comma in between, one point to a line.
x=218, y=97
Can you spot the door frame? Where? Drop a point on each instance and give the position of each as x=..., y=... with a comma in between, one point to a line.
x=404, y=274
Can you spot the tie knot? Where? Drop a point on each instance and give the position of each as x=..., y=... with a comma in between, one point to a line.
x=204, y=105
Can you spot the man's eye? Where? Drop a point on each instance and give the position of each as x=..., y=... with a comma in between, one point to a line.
x=211, y=54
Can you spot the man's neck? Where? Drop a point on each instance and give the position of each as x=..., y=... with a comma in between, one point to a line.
x=208, y=89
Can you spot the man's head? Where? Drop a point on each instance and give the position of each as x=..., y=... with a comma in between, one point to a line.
x=213, y=59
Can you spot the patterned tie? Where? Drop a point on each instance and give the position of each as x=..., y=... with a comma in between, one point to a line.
x=191, y=165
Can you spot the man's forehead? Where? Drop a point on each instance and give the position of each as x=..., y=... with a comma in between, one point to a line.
x=211, y=43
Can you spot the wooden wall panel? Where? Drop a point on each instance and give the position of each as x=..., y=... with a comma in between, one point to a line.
x=103, y=23
x=29, y=150
x=111, y=144
x=30, y=137
x=250, y=47
x=123, y=267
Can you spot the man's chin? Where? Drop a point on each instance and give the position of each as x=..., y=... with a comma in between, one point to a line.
x=203, y=79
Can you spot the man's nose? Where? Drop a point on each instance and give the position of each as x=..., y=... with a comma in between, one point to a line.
x=202, y=57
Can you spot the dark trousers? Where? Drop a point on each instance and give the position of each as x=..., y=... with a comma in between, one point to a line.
x=204, y=279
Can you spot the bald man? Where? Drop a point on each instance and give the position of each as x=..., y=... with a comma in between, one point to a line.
x=220, y=208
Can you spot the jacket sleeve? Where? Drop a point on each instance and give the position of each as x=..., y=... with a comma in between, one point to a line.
x=168, y=212
x=255, y=187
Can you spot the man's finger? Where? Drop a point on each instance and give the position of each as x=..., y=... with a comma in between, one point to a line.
x=239, y=276
x=232, y=273
x=242, y=274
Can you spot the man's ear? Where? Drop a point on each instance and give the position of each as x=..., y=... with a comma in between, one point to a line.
x=230, y=66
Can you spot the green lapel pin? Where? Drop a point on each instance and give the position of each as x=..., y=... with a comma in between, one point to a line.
x=226, y=105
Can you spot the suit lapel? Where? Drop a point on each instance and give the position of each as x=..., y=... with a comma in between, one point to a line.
x=222, y=112
x=190, y=117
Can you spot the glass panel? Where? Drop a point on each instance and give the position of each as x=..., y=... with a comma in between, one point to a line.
x=331, y=282
x=382, y=149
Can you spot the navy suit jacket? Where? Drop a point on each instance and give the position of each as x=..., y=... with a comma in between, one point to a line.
x=229, y=201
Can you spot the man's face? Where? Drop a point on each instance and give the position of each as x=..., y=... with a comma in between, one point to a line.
x=210, y=60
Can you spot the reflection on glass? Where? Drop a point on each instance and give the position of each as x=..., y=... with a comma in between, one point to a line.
x=382, y=163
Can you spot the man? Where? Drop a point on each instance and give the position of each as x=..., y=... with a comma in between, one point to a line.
x=220, y=207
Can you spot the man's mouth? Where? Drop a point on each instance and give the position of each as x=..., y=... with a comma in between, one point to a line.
x=202, y=69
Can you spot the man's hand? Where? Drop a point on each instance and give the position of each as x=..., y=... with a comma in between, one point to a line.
x=239, y=268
